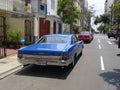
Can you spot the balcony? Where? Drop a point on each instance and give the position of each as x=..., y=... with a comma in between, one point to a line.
x=6, y=5
x=19, y=6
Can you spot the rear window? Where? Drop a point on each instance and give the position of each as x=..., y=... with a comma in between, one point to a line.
x=85, y=32
x=114, y=31
x=54, y=39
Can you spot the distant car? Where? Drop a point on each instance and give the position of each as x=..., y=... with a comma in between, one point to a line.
x=53, y=49
x=86, y=36
x=112, y=33
x=97, y=32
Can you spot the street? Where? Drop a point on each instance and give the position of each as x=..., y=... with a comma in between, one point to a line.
x=97, y=69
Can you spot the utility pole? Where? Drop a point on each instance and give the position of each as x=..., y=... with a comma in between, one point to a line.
x=72, y=17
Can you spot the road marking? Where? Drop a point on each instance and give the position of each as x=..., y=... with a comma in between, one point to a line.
x=109, y=42
x=98, y=40
x=100, y=46
x=102, y=63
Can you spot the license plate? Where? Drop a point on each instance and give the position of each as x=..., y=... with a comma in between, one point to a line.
x=42, y=62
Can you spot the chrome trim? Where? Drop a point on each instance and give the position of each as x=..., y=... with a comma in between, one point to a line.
x=44, y=60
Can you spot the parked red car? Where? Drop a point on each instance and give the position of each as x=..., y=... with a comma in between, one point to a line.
x=86, y=36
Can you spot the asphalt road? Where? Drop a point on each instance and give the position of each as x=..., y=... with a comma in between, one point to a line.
x=97, y=69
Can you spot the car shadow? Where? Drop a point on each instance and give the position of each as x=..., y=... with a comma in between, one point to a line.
x=118, y=54
x=47, y=71
x=112, y=77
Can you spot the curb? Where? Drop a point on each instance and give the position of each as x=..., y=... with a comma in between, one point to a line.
x=9, y=72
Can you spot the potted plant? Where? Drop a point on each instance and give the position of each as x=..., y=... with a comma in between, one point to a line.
x=13, y=38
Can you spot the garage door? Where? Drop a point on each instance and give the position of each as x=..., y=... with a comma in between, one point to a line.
x=44, y=27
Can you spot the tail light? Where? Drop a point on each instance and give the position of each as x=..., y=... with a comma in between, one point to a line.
x=65, y=56
x=79, y=36
x=20, y=55
x=87, y=36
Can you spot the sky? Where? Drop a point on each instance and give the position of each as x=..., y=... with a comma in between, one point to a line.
x=98, y=6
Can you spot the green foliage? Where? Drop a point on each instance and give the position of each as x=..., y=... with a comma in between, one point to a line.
x=101, y=27
x=104, y=19
x=13, y=35
x=64, y=11
x=97, y=20
x=14, y=8
x=76, y=29
x=104, y=27
x=116, y=10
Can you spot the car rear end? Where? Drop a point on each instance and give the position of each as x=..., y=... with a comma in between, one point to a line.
x=112, y=33
x=84, y=37
x=49, y=50
x=57, y=58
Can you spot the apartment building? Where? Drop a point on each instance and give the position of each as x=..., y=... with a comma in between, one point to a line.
x=14, y=17
x=85, y=19
x=78, y=4
x=108, y=6
x=108, y=10
x=46, y=20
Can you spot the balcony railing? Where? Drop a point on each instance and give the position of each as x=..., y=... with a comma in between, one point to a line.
x=6, y=5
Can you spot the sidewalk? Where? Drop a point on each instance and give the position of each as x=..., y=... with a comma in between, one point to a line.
x=9, y=65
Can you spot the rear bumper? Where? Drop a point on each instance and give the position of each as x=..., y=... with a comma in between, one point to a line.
x=55, y=61
x=87, y=39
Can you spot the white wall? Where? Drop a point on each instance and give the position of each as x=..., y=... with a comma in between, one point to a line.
x=6, y=5
x=51, y=11
x=109, y=4
x=34, y=4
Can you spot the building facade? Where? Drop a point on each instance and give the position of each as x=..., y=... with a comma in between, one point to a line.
x=78, y=4
x=85, y=20
x=108, y=10
x=108, y=6
x=14, y=17
x=46, y=20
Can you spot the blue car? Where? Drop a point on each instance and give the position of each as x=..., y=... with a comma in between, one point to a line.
x=52, y=49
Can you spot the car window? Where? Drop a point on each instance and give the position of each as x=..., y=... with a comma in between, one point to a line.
x=54, y=39
x=75, y=39
x=85, y=32
x=113, y=31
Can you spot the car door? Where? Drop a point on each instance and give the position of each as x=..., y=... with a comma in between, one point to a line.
x=77, y=47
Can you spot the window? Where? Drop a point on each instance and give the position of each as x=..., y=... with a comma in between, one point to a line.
x=53, y=4
x=75, y=39
x=42, y=7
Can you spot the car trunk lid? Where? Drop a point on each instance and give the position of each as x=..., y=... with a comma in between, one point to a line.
x=44, y=49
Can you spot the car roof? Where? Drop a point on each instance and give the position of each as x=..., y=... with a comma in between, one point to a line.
x=59, y=35
x=84, y=32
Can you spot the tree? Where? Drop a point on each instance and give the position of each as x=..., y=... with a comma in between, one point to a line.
x=116, y=11
x=103, y=19
x=64, y=11
x=101, y=28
